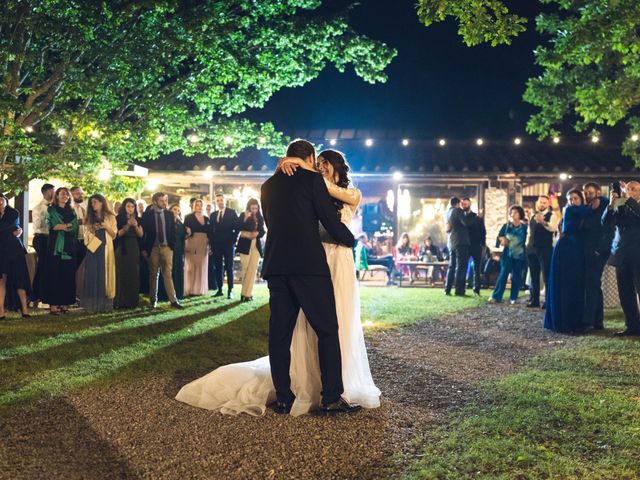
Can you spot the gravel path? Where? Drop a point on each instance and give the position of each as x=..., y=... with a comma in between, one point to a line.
x=137, y=430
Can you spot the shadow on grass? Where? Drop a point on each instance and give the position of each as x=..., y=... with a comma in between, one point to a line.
x=66, y=349
x=18, y=332
x=157, y=350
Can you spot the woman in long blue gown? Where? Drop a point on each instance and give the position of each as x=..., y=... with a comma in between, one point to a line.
x=565, y=302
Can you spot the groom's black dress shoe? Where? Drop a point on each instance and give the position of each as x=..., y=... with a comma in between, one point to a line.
x=340, y=406
x=282, y=408
x=219, y=294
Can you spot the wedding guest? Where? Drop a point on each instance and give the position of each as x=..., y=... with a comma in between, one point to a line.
x=60, y=269
x=177, y=272
x=224, y=233
x=159, y=240
x=40, y=239
x=211, y=274
x=250, y=247
x=623, y=212
x=142, y=207
x=127, y=250
x=377, y=256
x=512, y=237
x=542, y=227
x=360, y=254
x=116, y=207
x=477, y=242
x=14, y=276
x=458, y=243
x=99, y=279
x=597, y=247
x=404, y=249
x=565, y=297
x=77, y=203
x=196, y=252
x=429, y=251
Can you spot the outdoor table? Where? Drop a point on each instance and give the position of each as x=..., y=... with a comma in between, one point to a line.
x=414, y=265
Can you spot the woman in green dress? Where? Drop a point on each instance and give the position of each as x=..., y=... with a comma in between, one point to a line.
x=178, y=256
x=128, y=255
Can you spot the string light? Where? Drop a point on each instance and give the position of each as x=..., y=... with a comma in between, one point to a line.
x=333, y=142
x=28, y=129
x=104, y=174
x=398, y=176
x=556, y=140
x=405, y=142
x=62, y=132
x=160, y=138
x=634, y=137
x=517, y=141
x=95, y=134
x=193, y=138
x=595, y=139
x=228, y=140
x=479, y=142
x=151, y=185
x=262, y=140
x=442, y=142
x=368, y=142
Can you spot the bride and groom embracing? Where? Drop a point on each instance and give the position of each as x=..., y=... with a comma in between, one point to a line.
x=317, y=355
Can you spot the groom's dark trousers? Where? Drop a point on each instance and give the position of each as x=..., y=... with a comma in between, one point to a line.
x=315, y=296
x=295, y=267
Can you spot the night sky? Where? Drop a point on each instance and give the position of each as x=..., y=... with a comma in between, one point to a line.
x=437, y=85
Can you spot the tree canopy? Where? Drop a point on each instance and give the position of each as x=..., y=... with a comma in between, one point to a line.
x=590, y=60
x=90, y=87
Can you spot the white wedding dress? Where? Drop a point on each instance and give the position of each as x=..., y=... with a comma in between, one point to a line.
x=247, y=387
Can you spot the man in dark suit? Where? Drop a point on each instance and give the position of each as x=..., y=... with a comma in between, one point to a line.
x=225, y=226
x=624, y=213
x=542, y=227
x=458, y=244
x=295, y=267
x=477, y=243
x=157, y=247
x=597, y=248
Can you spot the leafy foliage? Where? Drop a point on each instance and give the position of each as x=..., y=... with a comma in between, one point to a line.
x=89, y=86
x=590, y=62
x=591, y=69
x=479, y=21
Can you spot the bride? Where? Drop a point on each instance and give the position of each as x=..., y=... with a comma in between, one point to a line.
x=247, y=387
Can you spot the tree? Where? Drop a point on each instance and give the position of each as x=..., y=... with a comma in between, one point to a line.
x=90, y=87
x=591, y=60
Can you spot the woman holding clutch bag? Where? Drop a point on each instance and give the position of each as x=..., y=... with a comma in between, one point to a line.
x=99, y=281
x=59, y=285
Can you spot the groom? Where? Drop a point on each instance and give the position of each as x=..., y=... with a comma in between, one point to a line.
x=296, y=270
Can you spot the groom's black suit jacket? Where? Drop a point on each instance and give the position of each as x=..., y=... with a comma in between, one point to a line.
x=292, y=207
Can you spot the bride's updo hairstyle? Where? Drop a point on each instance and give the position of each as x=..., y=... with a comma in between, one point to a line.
x=340, y=167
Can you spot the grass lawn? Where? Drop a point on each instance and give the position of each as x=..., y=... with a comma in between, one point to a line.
x=47, y=356
x=571, y=414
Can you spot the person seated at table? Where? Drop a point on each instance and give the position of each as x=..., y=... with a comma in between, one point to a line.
x=429, y=252
x=405, y=253
x=376, y=256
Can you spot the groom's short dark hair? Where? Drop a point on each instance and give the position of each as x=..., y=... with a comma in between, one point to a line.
x=301, y=149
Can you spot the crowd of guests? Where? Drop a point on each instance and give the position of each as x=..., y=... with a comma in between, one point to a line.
x=101, y=258
x=570, y=252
